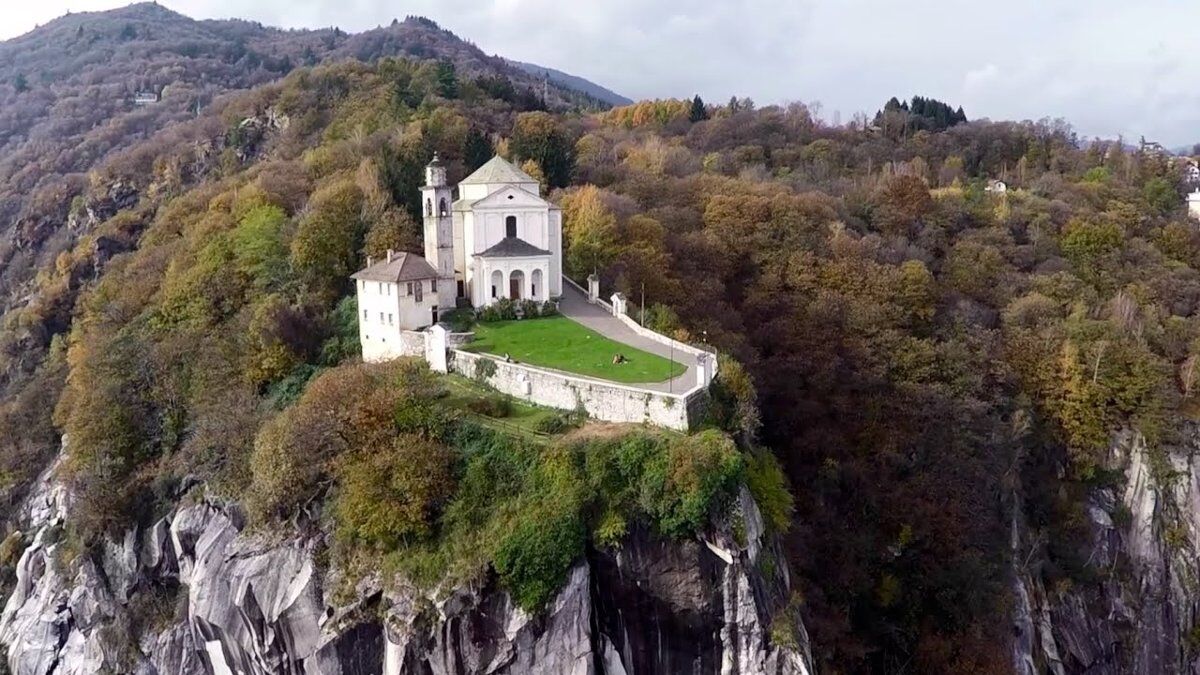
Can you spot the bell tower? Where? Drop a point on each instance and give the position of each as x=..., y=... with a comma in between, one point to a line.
x=439, y=231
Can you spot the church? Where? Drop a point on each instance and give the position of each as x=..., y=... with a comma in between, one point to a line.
x=499, y=239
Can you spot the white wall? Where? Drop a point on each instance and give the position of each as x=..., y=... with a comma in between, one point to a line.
x=386, y=312
x=604, y=401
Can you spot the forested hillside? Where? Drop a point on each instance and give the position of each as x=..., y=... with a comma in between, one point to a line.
x=67, y=94
x=928, y=361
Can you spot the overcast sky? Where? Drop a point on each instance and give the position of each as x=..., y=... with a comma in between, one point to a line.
x=1107, y=66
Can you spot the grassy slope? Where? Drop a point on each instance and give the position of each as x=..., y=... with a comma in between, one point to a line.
x=560, y=343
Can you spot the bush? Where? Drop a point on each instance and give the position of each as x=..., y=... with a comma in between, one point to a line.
x=770, y=488
x=549, y=308
x=395, y=495
x=681, y=486
x=553, y=424
x=533, y=561
x=491, y=406
x=529, y=309
x=501, y=310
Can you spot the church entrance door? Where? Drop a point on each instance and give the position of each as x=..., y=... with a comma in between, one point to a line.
x=514, y=289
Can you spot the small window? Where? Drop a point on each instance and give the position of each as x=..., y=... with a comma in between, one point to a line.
x=381, y=288
x=381, y=317
x=389, y=319
x=433, y=286
x=442, y=207
x=429, y=207
x=408, y=289
x=493, y=290
x=510, y=226
x=364, y=315
x=389, y=290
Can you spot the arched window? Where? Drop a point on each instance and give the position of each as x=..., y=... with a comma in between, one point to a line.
x=442, y=207
x=429, y=207
x=510, y=226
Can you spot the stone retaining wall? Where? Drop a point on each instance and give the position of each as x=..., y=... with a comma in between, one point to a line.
x=604, y=401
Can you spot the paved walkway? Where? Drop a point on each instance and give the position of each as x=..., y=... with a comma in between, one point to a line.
x=574, y=305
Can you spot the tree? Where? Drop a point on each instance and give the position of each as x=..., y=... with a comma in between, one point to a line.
x=540, y=137
x=447, y=80
x=698, y=112
x=590, y=231
x=477, y=150
x=393, y=495
x=325, y=250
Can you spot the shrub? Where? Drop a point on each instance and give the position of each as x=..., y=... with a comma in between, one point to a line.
x=484, y=368
x=534, y=559
x=549, y=308
x=770, y=488
x=501, y=310
x=553, y=424
x=681, y=486
x=491, y=406
x=394, y=495
x=529, y=309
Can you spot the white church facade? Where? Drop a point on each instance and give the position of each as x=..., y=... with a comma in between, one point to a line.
x=499, y=239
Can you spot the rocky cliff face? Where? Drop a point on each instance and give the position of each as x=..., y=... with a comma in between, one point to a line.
x=1140, y=613
x=196, y=594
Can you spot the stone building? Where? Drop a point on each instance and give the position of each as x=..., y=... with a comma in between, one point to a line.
x=396, y=295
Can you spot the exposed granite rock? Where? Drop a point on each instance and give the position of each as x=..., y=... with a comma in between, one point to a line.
x=1140, y=615
x=251, y=605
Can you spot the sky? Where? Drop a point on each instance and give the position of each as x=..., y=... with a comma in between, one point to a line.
x=1109, y=67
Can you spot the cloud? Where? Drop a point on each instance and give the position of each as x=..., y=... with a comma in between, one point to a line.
x=1109, y=67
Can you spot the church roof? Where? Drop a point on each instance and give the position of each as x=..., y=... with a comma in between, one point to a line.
x=498, y=170
x=402, y=267
x=513, y=247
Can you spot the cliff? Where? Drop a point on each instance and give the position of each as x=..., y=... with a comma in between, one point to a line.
x=1137, y=610
x=198, y=593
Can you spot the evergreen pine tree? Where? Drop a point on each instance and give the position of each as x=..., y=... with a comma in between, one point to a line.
x=477, y=149
x=698, y=113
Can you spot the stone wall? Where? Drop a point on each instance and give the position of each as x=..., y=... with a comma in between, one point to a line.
x=604, y=401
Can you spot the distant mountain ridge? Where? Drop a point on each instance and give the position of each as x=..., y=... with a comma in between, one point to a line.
x=574, y=82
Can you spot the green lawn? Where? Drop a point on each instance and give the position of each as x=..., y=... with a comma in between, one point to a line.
x=560, y=343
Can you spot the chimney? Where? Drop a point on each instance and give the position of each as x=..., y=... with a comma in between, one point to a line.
x=389, y=254
x=368, y=261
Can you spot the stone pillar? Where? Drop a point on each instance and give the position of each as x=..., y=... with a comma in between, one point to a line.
x=593, y=288
x=436, y=345
x=618, y=304
x=702, y=371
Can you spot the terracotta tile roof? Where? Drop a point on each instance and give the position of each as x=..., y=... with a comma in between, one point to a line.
x=402, y=267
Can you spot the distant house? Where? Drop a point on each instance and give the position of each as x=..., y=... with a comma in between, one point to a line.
x=995, y=185
x=145, y=98
x=1191, y=172
x=395, y=295
x=1194, y=204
